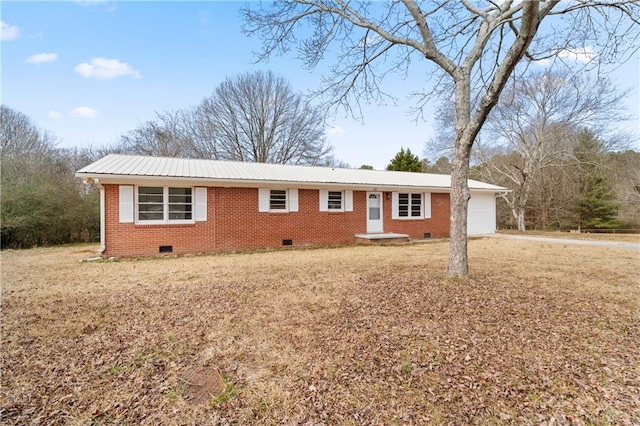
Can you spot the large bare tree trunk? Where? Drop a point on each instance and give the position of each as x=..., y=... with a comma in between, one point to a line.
x=458, y=265
x=521, y=223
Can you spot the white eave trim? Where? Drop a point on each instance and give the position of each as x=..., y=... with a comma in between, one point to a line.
x=241, y=183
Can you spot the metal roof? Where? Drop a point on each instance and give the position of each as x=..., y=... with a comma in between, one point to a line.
x=116, y=166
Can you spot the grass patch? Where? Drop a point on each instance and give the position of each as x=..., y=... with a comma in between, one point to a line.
x=228, y=393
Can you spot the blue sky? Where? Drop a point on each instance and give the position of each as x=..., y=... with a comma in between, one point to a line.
x=91, y=71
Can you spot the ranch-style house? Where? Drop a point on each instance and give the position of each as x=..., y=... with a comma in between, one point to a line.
x=152, y=205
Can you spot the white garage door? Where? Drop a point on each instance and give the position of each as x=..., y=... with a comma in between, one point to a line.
x=482, y=214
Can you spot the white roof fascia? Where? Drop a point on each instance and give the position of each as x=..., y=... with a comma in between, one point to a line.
x=237, y=183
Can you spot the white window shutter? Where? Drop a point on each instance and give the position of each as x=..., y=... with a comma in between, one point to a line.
x=348, y=201
x=201, y=204
x=427, y=205
x=324, y=200
x=293, y=200
x=264, y=194
x=126, y=204
x=394, y=206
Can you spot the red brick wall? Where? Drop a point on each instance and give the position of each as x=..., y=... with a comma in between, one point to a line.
x=240, y=225
x=234, y=223
x=437, y=225
x=129, y=239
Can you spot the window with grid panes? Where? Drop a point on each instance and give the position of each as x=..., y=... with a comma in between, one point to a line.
x=164, y=204
x=335, y=200
x=409, y=204
x=278, y=199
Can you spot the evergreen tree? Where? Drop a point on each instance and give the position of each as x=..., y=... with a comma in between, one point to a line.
x=596, y=208
x=406, y=161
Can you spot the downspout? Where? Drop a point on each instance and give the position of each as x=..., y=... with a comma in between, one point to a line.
x=96, y=182
x=103, y=246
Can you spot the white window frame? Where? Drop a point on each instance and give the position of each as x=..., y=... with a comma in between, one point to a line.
x=346, y=204
x=395, y=205
x=165, y=206
x=264, y=200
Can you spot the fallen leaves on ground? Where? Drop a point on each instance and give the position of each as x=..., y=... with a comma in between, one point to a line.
x=541, y=334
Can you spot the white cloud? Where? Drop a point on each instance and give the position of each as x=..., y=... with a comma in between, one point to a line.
x=54, y=115
x=84, y=112
x=8, y=32
x=370, y=40
x=106, y=69
x=584, y=55
x=88, y=3
x=41, y=58
x=581, y=56
x=91, y=2
x=334, y=130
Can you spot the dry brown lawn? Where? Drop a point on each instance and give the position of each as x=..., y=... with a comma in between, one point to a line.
x=541, y=334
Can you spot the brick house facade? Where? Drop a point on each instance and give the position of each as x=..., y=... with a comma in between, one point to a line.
x=151, y=206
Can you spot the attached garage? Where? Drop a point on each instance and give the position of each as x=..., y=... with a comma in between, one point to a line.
x=481, y=214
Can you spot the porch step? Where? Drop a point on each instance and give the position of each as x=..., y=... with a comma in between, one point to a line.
x=382, y=238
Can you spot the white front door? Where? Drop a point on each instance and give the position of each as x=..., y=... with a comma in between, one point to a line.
x=374, y=212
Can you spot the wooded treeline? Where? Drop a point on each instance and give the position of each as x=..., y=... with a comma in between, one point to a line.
x=42, y=202
x=554, y=141
x=589, y=188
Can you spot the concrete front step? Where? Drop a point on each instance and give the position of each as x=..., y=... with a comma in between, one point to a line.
x=382, y=238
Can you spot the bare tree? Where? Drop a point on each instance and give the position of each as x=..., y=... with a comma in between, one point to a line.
x=536, y=121
x=171, y=134
x=626, y=170
x=253, y=117
x=475, y=45
x=258, y=117
x=441, y=166
x=23, y=146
